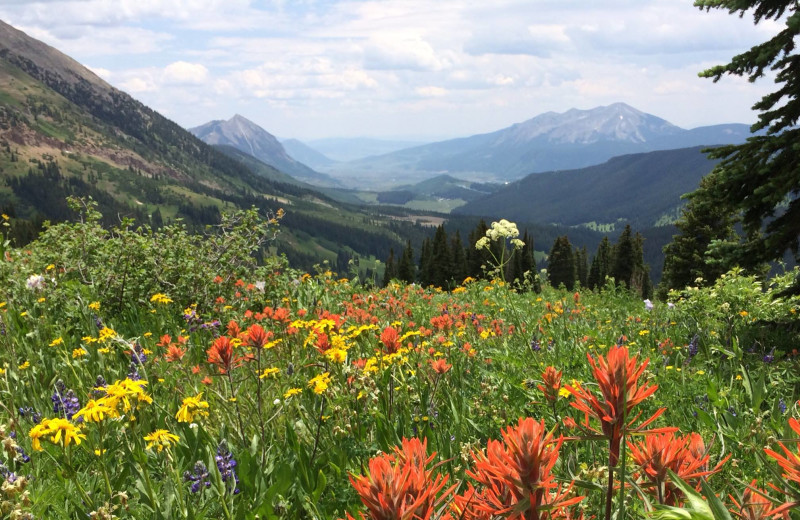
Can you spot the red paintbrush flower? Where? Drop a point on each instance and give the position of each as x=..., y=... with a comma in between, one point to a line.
x=401, y=485
x=552, y=383
x=390, y=339
x=440, y=366
x=790, y=463
x=221, y=354
x=685, y=456
x=515, y=474
x=753, y=504
x=257, y=337
x=618, y=379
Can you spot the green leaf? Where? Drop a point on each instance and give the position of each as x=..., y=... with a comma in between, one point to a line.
x=716, y=505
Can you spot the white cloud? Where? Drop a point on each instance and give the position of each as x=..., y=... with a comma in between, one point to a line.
x=431, y=91
x=183, y=73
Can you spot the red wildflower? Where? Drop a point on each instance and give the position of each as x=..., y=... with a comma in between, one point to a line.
x=791, y=462
x=233, y=329
x=390, y=338
x=175, y=353
x=516, y=477
x=754, y=505
x=221, y=354
x=206, y=381
x=164, y=341
x=685, y=456
x=618, y=379
x=440, y=366
x=401, y=484
x=552, y=383
x=257, y=337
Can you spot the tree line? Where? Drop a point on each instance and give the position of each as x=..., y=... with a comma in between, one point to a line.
x=445, y=260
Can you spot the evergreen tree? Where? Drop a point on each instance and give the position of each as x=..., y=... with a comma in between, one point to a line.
x=458, y=259
x=601, y=265
x=391, y=270
x=759, y=179
x=441, y=260
x=561, y=264
x=686, y=258
x=407, y=271
x=425, y=263
x=582, y=266
x=624, y=263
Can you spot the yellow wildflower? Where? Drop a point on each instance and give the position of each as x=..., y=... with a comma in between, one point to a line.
x=50, y=267
x=58, y=341
x=95, y=306
x=644, y=332
x=292, y=391
x=337, y=355
x=64, y=432
x=107, y=334
x=269, y=372
x=192, y=407
x=36, y=433
x=320, y=383
x=161, y=439
x=78, y=352
x=95, y=411
x=41, y=300
x=160, y=298
x=25, y=365
x=700, y=372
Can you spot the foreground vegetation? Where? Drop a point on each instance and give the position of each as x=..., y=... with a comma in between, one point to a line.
x=167, y=375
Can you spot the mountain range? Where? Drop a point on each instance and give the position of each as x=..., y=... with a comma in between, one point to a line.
x=547, y=142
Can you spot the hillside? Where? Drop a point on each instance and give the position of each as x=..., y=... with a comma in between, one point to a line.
x=548, y=142
x=641, y=189
x=64, y=131
x=307, y=155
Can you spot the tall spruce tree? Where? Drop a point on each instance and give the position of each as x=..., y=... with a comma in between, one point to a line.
x=561, y=264
x=686, y=258
x=624, y=258
x=458, y=258
x=601, y=265
x=582, y=266
x=390, y=272
x=407, y=270
x=759, y=179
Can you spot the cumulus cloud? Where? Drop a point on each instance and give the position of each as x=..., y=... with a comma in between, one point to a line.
x=184, y=73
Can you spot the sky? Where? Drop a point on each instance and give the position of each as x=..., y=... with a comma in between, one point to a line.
x=404, y=69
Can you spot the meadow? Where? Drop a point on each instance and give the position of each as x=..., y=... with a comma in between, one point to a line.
x=167, y=375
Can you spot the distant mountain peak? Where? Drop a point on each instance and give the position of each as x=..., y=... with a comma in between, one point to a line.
x=248, y=137
x=616, y=122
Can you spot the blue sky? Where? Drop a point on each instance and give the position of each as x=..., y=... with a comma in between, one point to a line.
x=412, y=69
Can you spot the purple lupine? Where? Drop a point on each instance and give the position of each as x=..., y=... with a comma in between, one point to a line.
x=198, y=477
x=65, y=401
x=770, y=356
x=133, y=372
x=137, y=354
x=226, y=465
x=535, y=345
x=782, y=406
x=99, y=385
x=694, y=346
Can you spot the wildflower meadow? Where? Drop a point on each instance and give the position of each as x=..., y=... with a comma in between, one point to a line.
x=168, y=375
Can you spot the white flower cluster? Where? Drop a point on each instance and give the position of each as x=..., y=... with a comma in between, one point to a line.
x=35, y=282
x=500, y=231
